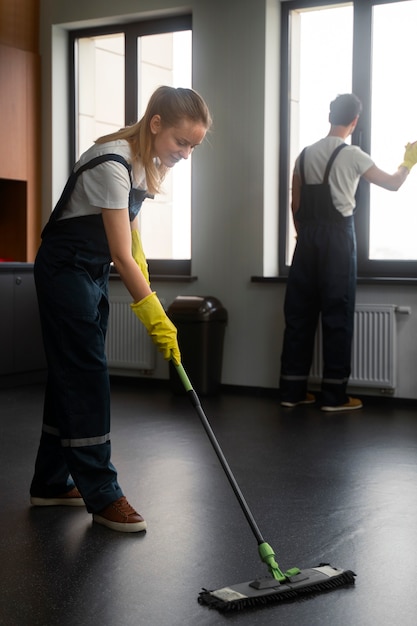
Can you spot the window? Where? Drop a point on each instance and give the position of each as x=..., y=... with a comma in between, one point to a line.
x=115, y=70
x=330, y=48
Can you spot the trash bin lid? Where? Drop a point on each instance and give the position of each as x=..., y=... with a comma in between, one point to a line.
x=197, y=309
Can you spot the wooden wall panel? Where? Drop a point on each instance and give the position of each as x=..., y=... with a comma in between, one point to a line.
x=20, y=220
x=13, y=118
x=19, y=24
x=33, y=141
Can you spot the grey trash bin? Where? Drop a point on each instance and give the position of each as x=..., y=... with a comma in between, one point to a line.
x=201, y=323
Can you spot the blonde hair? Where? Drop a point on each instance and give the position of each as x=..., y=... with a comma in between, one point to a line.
x=172, y=105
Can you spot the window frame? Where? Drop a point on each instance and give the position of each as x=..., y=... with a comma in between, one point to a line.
x=170, y=268
x=361, y=86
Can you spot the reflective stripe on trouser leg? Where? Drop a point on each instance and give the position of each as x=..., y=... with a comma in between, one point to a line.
x=77, y=403
x=337, y=317
x=51, y=477
x=301, y=309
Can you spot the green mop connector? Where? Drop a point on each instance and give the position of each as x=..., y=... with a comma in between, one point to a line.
x=268, y=556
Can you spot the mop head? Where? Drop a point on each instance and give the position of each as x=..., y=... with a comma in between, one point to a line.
x=267, y=590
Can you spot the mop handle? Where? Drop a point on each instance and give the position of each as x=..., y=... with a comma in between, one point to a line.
x=196, y=403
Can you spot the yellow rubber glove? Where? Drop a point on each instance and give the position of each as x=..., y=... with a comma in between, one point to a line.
x=139, y=255
x=410, y=155
x=160, y=328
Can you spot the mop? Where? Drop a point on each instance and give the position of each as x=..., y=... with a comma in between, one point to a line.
x=278, y=586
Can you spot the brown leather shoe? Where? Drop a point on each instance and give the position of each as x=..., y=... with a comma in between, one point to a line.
x=119, y=515
x=71, y=498
x=351, y=405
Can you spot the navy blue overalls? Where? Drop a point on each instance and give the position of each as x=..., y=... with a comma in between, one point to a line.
x=71, y=275
x=322, y=280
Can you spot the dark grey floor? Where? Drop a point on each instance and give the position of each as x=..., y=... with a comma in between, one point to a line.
x=334, y=488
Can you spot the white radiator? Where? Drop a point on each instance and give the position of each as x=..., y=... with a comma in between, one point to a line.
x=128, y=345
x=374, y=348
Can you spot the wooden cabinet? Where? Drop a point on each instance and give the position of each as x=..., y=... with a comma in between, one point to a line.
x=20, y=331
x=19, y=155
x=20, y=210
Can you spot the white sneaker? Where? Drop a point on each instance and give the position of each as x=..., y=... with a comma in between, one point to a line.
x=309, y=399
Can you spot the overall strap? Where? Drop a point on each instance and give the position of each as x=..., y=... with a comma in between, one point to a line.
x=330, y=162
x=70, y=184
x=101, y=159
x=302, y=156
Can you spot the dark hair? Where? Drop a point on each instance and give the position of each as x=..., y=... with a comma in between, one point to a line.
x=344, y=109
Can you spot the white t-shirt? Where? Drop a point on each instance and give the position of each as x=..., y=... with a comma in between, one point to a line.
x=347, y=168
x=106, y=186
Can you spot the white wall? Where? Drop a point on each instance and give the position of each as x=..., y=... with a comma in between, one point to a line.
x=229, y=47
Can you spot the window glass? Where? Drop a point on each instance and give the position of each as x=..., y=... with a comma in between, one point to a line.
x=100, y=92
x=393, y=216
x=367, y=48
x=101, y=99
x=320, y=50
x=165, y=59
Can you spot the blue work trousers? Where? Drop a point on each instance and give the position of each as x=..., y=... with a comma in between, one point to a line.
x=322, y=281
x=71, y=274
